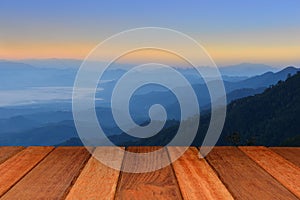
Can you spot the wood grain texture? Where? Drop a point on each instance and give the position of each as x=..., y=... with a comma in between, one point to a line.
x=13, y=169
x=197, y=180
x=281, y=169
x=52, y=177
x=98, y=181
x=292, y=154
x=7, y=152
x=243, y=177
x=160, y=184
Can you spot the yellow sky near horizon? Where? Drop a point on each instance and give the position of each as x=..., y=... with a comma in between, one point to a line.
x=222, y=54
x=232, y=32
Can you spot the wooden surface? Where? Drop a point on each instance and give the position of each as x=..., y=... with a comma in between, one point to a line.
x=243, y=177
x=285, y=172
x=160, y=184
x=7, y=152
x=52, y=177
x=290, y=153
x=17, y=166
x=195, y=177
x=97, y=181
x=226, y=173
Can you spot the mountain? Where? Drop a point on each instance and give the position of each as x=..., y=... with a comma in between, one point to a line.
x=19, y=76
x=74, y=141
x=17, y=123
x=234, y=90
x=270, y=118
x=264, y=80
x=269, y=78
x=246, y=69
x=51, y=73
x=162, y=138
x=30, y=123
x=53, y=63
x=240, y=89
x=62, y=72
x=14, y=66
x=49, y=128
x=11, y=111
x=244, y=92
x=45, y=135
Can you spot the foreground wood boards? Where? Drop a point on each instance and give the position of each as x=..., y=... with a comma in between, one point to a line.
x=292, y=154
x=7, y=152
x=15, y=168
x=52, y=177
x=226, y=173
x=284, y=171
x=160, y=184
x=243, y=177
x=97, y=181
x=195, y=177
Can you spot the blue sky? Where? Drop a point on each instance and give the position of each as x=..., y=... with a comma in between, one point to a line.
x=232, y=31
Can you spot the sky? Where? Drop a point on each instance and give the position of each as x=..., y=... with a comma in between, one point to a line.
x=232, y=32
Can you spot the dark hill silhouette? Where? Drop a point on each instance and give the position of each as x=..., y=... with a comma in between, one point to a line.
x=269, y=78
x=263, y=80
x=269, y=119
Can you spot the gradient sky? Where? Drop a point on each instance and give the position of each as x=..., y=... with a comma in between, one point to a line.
x=231, y=31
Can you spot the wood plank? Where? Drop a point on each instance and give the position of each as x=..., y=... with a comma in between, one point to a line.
x=53, y=176
x=159, y=184
x=13, y=169
x=7, y=152
x=98, y=181
x=292, y=154
x=243, y=177
x=195, y=177
x=284, y=171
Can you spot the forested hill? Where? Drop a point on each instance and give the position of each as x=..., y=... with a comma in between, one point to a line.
x=271, y=118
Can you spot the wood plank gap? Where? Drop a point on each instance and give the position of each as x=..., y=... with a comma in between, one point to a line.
x=8, y=152
x=197, y=180
x=173, y=170
x=67, y=191
x=159, y=184
x=245, y=179
x=51, y=177
x=281, y=169
x=29, y=170
x=218, y=175
x=98, y=181
x=292, y=154
x=18, y=166
x=119, y=178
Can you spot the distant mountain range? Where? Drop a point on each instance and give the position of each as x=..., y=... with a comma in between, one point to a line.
x=35, y=124
x=239, y=70
x=247, y=69
x=20, y=76
x=268, y=78
x=269, y=119
x=239, y=89
x=255, y=85
x=38, y=127
x=59, y=72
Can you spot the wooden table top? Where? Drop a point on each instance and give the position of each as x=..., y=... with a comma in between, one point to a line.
x=226, y=173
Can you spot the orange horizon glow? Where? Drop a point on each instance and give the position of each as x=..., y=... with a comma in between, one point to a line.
x=221, y=54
